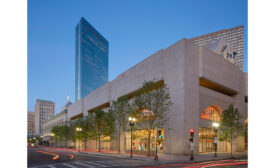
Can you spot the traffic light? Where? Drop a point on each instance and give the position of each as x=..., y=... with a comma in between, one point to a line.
x=192, y=132
x=160, y=134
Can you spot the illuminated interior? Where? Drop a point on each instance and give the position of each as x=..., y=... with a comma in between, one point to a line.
x=140, y=141
x=212, y=113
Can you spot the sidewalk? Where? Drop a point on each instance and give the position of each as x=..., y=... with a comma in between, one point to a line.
x=161, y=157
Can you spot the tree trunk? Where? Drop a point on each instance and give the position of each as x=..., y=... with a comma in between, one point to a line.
x=231, y=141
x=85, y=143
x=118, y=141
x=99, y=144
x=96, y=141
x=149, y=143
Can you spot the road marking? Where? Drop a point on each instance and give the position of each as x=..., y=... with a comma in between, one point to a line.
x=51, y=166
x=104, y=162
x=114, y=163
x=84, y=164
x=97, y=164
x=69, y=165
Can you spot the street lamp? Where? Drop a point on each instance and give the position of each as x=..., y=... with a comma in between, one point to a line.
x=78, y=130
x=132, y=121
x=215, y=125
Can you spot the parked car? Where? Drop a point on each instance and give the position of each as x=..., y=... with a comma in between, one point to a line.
x=36, y=145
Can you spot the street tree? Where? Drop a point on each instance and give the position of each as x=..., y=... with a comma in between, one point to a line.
x=66, y=132
x=56, y=131
x=102, y=124
x=87, y=130
x=120, y=110
x=230, y=127
x=72, y=133
x=152, y=101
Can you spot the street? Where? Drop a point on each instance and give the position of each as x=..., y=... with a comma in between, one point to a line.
x=42, y=158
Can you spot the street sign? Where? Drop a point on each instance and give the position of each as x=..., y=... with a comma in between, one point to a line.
x=191, y=145
x=215, y=140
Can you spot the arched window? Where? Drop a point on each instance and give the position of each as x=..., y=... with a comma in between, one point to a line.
x=212, y=113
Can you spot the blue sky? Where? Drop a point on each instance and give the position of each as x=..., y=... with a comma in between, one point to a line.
x=135, y=29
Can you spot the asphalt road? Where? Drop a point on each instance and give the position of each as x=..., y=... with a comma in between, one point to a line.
x=41, y=158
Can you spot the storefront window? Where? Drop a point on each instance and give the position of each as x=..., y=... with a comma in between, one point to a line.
x=206, y=141
x=140, y=141
x=246, y=134
x=105, y=143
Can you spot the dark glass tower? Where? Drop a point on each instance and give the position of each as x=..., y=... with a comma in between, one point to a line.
x=91, y=59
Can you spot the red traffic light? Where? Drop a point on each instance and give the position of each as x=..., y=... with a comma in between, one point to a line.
x=192, y=132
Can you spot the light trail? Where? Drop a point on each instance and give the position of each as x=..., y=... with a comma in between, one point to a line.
x=56, y=156
x=71, y=155
x=195, y=163
x=214, y=165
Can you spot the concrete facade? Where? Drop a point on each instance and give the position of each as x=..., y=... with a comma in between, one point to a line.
x=58, y=120
x=44, y=110
x=234, y=36
x=31, y=123
x=196, y=77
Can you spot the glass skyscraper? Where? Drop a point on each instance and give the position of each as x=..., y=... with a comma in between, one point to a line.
x=91, y=59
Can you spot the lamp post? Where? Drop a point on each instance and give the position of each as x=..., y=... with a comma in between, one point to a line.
x=215, y=125
x=78, y=130
x=132, y=123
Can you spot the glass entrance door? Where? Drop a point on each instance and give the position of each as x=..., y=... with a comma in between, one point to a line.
x=206, y=140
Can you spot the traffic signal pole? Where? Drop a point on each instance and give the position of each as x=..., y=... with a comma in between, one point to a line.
x=156, y=156
x=191, y=143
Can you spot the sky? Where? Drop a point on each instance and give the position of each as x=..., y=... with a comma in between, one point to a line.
x=135, y=30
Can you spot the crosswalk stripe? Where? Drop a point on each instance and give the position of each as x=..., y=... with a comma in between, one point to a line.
x=104, y=162
x=84, y=164
x=115, y=163
x=97, y=164
x=69, y=165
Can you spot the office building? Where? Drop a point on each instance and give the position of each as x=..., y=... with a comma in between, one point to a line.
x=91, y=59
x=44, y=110
x=31, y=124
x=201, y=85
x=234, y=36
x=58, y=120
